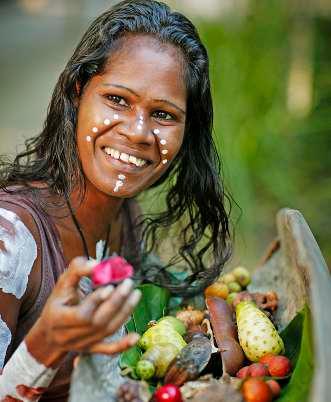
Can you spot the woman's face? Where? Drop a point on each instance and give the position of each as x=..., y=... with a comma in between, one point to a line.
x=131, y=118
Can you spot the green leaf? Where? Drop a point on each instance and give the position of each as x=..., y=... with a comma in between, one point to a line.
x=153, y=302
x=298, y=341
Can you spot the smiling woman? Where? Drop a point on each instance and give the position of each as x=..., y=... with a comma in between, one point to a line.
x=131, y=110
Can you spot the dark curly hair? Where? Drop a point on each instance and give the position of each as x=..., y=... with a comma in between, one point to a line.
x=195, y=193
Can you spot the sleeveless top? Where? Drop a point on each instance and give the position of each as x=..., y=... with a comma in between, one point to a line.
x=52, y=265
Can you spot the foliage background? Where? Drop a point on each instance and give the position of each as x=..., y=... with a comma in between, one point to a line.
x=270, y=70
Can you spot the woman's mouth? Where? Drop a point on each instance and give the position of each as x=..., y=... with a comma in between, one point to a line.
x=124, y=157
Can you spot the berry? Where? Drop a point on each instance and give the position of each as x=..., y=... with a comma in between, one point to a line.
x=279, y=366
x=168, y=393
x=145, y=369
x=112, y=270
x=258, y=370
x=266, y=359
x=275, y=387
x=234, y=287
x=256, y=390
x=227, y=278
x=243, y=372
x=231, y=297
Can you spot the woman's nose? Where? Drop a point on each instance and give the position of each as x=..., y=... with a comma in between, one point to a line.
x=138, y=130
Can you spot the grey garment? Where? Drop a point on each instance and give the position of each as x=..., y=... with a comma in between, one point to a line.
x=97, y=377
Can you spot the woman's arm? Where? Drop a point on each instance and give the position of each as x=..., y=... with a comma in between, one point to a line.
x=66, y=323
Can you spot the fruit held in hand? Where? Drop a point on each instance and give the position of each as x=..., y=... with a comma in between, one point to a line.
x=275, y=387
x=112, y=270
x=265, y=359
x=279, y=366
x=242, y=275
x=168, y=393
x=256, y=390
x=257, y=334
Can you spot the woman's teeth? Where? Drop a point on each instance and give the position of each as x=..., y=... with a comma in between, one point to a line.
x=114, y=153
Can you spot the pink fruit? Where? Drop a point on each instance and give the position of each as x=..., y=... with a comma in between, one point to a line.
x=168, y=393
x=243, y=372
x=275, y=387
x=266, y=359
x=256, y=390
x=279, y=366
x=112, y=270
x=258, y=370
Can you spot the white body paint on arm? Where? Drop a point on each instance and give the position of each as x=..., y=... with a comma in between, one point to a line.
x=17, y=254
x=5, y=339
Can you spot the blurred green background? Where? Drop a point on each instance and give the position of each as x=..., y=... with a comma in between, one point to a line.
x=271, y=79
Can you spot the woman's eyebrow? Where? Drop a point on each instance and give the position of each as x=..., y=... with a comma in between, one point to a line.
x=171, y=104
x=109, y=84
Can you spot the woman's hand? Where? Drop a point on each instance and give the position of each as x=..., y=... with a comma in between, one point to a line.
x=68, y=324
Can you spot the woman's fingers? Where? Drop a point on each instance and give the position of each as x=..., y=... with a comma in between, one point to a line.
x=112, y=306
x=115, y=347
x=78, y=268
x=122, y=316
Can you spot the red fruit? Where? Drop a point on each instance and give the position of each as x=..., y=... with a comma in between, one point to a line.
x=256, y=390
x=243, y=372
x=112, y=270
x=168, y=393
x=258, y=370
x=266, y=359
x=275, y=387
x=279, y=366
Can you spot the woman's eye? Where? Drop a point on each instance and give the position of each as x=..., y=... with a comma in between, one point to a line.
x=160, y=114
x=117, y=99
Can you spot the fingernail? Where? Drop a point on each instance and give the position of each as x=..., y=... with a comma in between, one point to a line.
x=134, y=338
x=125, y=286
x=134, y=297
x=106, y=291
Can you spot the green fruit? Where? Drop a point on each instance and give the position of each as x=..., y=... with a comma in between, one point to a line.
x=145, y=369
x=257, y=334
x=242, y=275
x=160, y=334
x=174, y=322
x=234, y=287
x=231, y=297
x=160, y=356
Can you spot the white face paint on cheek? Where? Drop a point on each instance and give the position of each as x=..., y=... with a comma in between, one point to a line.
x=119, y=183
x=17, y=257
x=88, y=138
x=5, y=339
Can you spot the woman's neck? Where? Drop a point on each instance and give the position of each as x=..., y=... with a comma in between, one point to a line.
x=95, y=212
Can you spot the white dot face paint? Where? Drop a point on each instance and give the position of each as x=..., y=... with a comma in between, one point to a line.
x=115, y=116
x=5, y=339
x=121, y=177
x=88, y=138
x=163, y=142
x=164, y=151
x=95, y=129
x=17, y=256
x=164, y=161
x=156, y=131
x=139, y=127
x=106, y=122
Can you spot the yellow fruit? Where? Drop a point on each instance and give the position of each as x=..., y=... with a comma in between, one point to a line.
x=227, y=278
x=161, y=334
x=217, y=289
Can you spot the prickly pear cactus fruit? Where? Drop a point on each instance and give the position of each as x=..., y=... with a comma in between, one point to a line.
x=257, y=335
x=161, y=334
